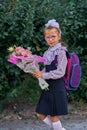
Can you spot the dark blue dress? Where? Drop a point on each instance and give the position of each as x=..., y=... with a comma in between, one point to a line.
x=53, y=101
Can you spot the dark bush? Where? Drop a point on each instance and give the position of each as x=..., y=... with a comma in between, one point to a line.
x=22, y=23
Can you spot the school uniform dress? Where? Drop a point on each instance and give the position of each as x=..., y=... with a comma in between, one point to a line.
x=54, y=101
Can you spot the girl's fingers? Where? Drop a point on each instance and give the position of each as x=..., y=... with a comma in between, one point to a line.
x=37, y=74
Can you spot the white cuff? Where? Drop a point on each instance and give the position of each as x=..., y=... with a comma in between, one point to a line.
x=45, y=76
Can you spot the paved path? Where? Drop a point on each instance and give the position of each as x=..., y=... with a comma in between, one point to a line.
x=26, y=120
x=38, y=125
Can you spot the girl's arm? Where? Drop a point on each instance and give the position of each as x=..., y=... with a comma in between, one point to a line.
x=61, y=67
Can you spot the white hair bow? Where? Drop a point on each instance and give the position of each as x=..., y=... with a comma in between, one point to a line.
x=53, y=23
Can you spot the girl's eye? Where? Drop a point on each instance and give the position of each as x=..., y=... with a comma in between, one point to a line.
x=53, y=37
x=47, y=37
x=50, y=37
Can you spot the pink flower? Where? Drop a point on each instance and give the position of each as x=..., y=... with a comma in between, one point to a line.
x=20, y=53
x=23, y=52
x=28, y=53
x=19, y=50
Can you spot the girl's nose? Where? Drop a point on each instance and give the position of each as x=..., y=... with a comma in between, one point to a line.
x=50, y=39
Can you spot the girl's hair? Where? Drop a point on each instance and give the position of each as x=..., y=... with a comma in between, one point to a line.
x=63, y=44
x=51, y=27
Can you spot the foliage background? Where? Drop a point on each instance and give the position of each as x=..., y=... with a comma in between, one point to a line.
x=22, y=23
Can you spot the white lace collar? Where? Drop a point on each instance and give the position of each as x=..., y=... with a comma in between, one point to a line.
x=57, y=46
x=49, y=55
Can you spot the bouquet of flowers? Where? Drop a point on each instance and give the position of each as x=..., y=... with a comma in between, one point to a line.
x=26, y=61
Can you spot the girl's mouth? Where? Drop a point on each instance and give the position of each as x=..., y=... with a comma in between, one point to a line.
x=51, y=44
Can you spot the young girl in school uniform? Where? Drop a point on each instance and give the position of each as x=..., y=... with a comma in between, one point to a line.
x=53, y=102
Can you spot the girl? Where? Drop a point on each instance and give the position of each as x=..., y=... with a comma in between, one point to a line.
x=53, y=102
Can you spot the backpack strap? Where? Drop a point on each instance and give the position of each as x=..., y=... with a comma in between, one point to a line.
x=68, y=66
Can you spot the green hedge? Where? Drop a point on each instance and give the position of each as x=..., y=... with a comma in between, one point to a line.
x=22, y=23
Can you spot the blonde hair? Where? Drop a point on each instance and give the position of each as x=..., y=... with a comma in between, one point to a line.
x=51, y=27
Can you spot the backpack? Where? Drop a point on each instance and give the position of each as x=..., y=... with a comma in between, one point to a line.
x=73, y=71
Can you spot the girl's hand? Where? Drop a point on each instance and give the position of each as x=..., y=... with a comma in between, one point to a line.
x=37, y=74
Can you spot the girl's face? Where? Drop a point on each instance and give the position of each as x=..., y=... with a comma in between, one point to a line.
x=52, y=36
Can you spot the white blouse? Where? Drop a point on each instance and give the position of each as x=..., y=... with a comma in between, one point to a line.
x=49, y=55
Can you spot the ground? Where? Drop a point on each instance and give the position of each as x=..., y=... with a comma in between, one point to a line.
x=22, y=116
